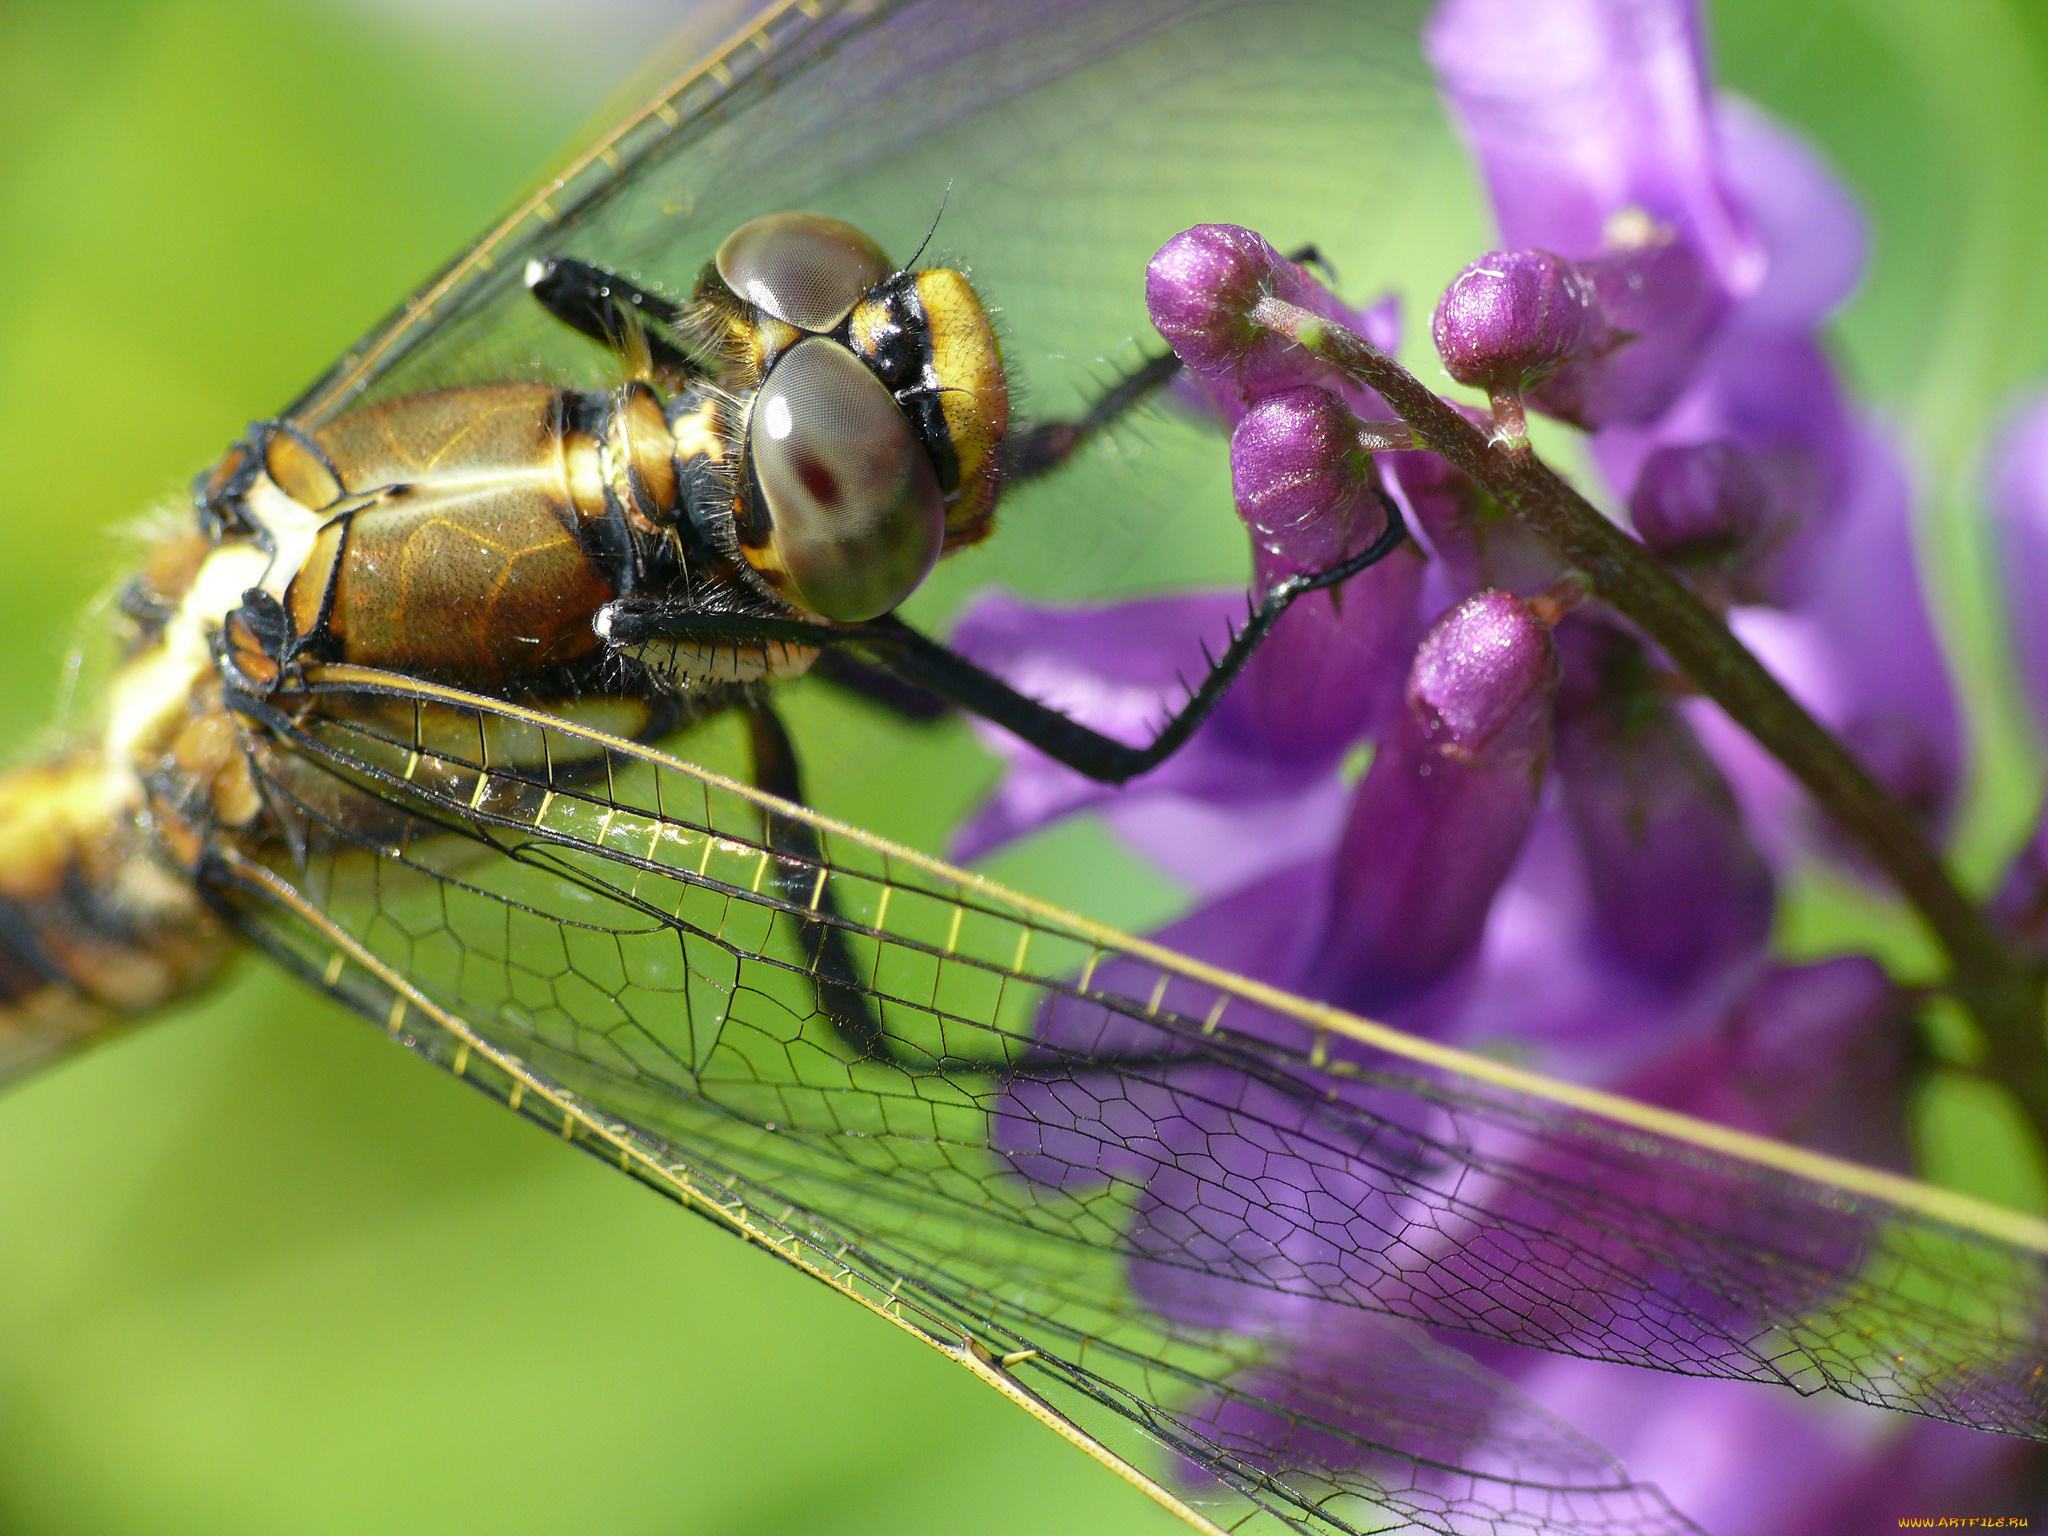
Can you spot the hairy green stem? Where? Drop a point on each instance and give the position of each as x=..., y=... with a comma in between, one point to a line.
x=2002, y=989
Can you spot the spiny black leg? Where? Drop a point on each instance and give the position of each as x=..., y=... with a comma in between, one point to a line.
x=1040, y=449
x=600, y=304
x=801, y=880
x=1044, y=447
x=944, y=672
x=881, y=687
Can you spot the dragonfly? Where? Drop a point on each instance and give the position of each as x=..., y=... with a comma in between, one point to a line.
x=952, y=1104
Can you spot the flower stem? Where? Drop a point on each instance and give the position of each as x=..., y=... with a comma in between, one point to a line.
x=2002, y=989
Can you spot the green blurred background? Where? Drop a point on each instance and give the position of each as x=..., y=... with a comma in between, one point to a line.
x=260, y=1271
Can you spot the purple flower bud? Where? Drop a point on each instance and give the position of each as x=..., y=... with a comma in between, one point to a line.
x=1304, y=486
x=1701, y=505
x=1659, y=308
x=1200, y=289
x=1427, y=845
x=1677, y=886
x=1483, y=682
x=1509, y=319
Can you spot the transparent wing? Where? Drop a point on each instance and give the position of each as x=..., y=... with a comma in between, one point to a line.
x=1103, y=1176
x=1065, y=140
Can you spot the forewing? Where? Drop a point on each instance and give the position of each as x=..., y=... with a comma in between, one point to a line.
x=1065, y=140
x=1125, y=1174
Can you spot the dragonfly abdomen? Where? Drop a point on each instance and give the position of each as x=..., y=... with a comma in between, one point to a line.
x=93, y=927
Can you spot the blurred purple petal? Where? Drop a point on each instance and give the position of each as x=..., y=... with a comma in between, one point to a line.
x=1700, y=507
x=1858, y=648
x=1331, y=670
x=1360, y=1396
x=1817, y=1054
x=2017, y=493
x=1579, y=110
x=1813, y=234
x=1112, y=668
x=1544, y=988
x=1678, y=889
x=1429, y=841
x=1766, y=386
x=1898, y=703
x=1659, y=306
x=2021, y=904
x=1744, y=1462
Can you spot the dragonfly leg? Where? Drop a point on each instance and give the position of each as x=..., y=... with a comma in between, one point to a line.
x=943, y=672
x=802, y=881
x=1042, y=447
x=880, y=687
x=610, y=310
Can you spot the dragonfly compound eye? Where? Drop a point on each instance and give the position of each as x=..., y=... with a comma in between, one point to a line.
x=803, y=268
x=846, y=514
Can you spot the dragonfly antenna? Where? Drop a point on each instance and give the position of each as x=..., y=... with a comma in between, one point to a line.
x=927, y=240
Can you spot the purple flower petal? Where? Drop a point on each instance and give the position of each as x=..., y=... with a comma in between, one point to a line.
x=1659, y=305
x=1511, y=318
x=2021, y=904
x=1478, y=542
x=1817, y=1054
x=1897, y=701
x=1429, y=841
x=2017, y=493
x=1677, y=886
x=1199, y=289
x=1200, y=285
x=1700, y=503
x=1545, y=989
x=1741, y=1461
x=1814, y=236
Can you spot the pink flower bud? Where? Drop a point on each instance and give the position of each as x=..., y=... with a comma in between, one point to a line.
x=1303, y=482
x=1201, y=288
x=1511, y=318
x=1483, y=682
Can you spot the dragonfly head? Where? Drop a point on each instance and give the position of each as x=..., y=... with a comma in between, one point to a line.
x=872, y=437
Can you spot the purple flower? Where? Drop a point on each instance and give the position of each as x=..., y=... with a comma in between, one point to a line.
x=1305, y=485
x=2017, y=496
x=1199, y=290
x=1592, y=123
x=1657, y=306
x=1578, y=110
x=1483, y=682
x=1592, y=116
x=1428, y=842
x=1550, y=854
x=1477, y=542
